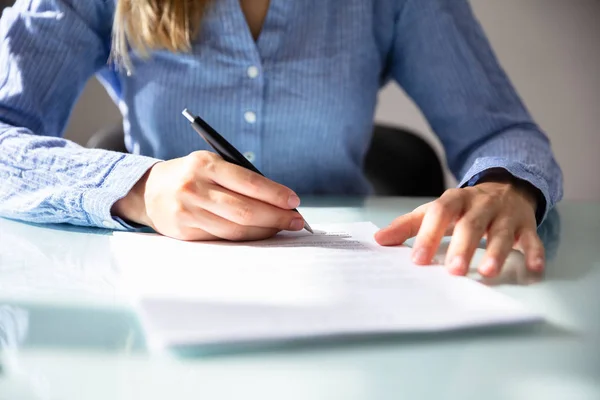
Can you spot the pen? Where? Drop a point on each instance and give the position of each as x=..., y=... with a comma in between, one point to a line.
x=223, y=147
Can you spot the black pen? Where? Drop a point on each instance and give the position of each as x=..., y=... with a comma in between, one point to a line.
x=223, y=147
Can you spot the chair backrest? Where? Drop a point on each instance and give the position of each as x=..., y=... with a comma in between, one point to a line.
x=401, y=163
x=398, y=162
x=5, y=3
x=109, y=138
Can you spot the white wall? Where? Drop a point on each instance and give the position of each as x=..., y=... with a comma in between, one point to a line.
x=550, y=49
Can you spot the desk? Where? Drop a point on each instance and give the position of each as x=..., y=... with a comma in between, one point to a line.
x=69, y=333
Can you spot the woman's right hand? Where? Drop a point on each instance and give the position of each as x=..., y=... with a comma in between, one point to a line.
x=203, y=197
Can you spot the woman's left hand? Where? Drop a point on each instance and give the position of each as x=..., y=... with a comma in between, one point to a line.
x=502, y=212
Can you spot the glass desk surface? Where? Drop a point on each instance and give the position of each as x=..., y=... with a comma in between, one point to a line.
x=67, y=330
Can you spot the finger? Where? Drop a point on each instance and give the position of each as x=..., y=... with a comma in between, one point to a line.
x=197, y=221
x=501, y=238
x=251, y=184
x=440, y=214
x=401, y=229
x=246, y=211
x=533, y=248
x=468, y=232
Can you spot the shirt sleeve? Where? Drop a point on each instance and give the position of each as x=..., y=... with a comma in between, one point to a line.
x=49, y=49
x=445, y=63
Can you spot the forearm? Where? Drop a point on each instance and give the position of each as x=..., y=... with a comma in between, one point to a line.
x=52, y=180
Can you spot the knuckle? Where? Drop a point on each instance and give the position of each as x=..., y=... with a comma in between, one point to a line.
x=425, y=239
x=244, y=213
x=504, y=231
x=452, y=193
x=422, y=208
x=185, y=187
x=489, y=202
x=282, y=195
x=253, y=181
x=197, y=158
x=504, y=228
x=204, y=160
x=440, y=207
x=221, y=198
x=210, y=166
x=474, y=223
x=426, y=243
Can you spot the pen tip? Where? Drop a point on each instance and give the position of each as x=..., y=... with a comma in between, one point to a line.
x=307, y=227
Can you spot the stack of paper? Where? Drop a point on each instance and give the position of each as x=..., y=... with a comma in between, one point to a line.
x=297, y=285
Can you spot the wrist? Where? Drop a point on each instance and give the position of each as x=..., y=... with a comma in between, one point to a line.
x=132, y=207
x=529, y=192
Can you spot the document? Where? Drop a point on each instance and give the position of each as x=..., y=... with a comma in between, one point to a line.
x=338, y=281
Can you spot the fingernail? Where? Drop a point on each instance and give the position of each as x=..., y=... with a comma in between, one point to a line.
x=293, y=201
x=456, y=264
x=538, y=264
x=420, y=256
x=296, y=224
x=489, y=267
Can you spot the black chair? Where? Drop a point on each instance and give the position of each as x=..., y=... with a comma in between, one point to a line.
x=398, y=162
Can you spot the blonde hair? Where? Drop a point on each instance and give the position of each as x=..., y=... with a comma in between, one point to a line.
x=149, y=25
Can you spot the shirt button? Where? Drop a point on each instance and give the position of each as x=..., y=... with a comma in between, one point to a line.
x=252, y=72
x=250, y=117
x=250, y=156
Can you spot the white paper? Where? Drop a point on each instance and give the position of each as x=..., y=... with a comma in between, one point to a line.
x=297, y=285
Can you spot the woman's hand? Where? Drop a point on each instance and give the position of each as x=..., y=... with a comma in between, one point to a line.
x=203, y=197
x=503, y=212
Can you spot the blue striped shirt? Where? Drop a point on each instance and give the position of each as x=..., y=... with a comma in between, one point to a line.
x=300, y=99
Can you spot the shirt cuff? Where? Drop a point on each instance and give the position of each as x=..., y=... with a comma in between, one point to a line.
x=518, y=170
x=98, y=202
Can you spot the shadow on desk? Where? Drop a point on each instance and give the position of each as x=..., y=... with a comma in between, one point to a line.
x=515, y=272
x=533, y=331
x=32, y=326
x=38, y=326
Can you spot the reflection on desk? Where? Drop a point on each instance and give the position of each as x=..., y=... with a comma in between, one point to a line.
x=59, y=288
x=56, y=262
x=515, y=272
x=14, y=323
x=24, y=326
x=66, y=310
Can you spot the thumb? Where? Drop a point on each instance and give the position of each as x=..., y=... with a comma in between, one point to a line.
x=402, y=228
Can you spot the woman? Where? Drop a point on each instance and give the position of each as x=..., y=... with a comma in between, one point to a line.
x=290, y=83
